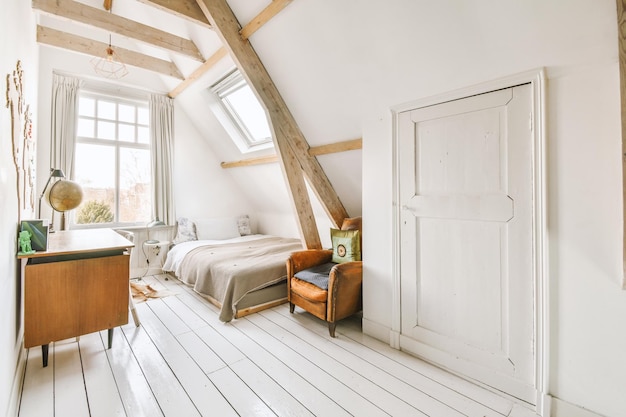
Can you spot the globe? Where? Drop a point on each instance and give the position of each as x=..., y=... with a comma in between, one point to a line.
x=65, y=195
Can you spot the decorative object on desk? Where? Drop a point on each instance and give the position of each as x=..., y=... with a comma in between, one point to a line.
x=63, y=196
x=38, y=230
x=143, y=292
x=54, y=174
x=23, y=143
x=25, y=244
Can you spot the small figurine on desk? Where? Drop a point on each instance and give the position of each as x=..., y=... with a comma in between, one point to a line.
x=24, y=241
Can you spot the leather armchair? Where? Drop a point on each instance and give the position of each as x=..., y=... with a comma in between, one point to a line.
x=344, y=295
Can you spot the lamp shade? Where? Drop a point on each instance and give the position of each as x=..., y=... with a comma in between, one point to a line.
x=156, y=222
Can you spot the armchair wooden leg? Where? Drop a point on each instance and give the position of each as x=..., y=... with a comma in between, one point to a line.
x=331, y=328
x=292, y=306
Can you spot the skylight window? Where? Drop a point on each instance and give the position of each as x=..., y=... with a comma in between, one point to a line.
x=241, y=113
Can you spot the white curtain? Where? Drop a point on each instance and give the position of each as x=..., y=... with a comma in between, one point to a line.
x=161, y=138
x=63, y=124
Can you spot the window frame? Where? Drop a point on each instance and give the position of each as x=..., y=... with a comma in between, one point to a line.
x=118, y=145
x=230, y=118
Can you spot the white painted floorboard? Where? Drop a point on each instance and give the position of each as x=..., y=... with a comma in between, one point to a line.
x=183, y=362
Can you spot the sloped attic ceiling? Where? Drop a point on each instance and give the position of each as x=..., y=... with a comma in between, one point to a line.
x=195, y=52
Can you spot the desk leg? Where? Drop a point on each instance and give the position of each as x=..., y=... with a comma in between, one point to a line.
x=44, y=354
x=110, y=337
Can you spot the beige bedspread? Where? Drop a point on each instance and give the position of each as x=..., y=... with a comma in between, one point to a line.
x=228, y=272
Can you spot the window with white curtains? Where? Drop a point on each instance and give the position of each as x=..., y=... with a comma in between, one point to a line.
x=113, y=160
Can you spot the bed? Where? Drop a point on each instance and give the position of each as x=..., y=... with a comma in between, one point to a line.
x=240, y=275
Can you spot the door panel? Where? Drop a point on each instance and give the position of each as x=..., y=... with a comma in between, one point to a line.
x=466, y=237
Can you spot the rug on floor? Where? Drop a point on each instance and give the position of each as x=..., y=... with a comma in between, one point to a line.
x=144, y=292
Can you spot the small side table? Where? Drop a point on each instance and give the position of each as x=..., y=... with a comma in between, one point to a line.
x=153, y=248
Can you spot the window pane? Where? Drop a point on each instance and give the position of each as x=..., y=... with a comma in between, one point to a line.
x=86, y=106
x=95, y=172
x=143, y=117
x=106, y=110
x=134, y=185
x=249, y=110
x=106, y=130
x=114, y=166
x=86, y=128
x=126, y=133
x=143, y=135
x=126, y=113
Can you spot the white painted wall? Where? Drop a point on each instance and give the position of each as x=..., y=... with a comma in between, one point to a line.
x=15, y=15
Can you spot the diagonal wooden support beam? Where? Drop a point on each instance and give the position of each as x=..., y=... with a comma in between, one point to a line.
x=213, y=59
x=266, y=14
x=80, y=12
x=291, y=144
x=53, y=37
x=187, y=9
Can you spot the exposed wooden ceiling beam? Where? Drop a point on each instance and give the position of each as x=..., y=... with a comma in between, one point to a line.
x=187, y=9
x=348, y=145
x=75, y=43
x=266, y=14
x=290, y=143
x=213, y=59
x=104, y=20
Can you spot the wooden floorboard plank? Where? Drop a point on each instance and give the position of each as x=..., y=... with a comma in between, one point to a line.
x=173, y=323
x=363, y=387
x=202, y=354
x=168, y=392
x=300, y=387
x=198, y=388
x=70, y=397
x=413, y=388
x=465, y=388
x=37, y=392
x=241, y=397
x=279, y=400
x=137, y=396
x=244, y=346
x=326, y=382
x=184, y=313
x=403, y=361
x=102, y=393
x=226, y=351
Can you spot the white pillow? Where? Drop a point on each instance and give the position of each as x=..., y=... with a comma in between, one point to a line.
x=243, y=222
x=217, y=228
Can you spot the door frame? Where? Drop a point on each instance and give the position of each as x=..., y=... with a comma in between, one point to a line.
x=536, y=78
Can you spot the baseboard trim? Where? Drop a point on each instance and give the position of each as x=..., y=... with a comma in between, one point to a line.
x=18, y=381
x=376, y=330
x=561, y=408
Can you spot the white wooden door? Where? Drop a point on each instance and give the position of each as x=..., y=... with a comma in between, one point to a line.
x=466, y=237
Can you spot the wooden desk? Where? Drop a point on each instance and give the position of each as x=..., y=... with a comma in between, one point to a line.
x=78, y=286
